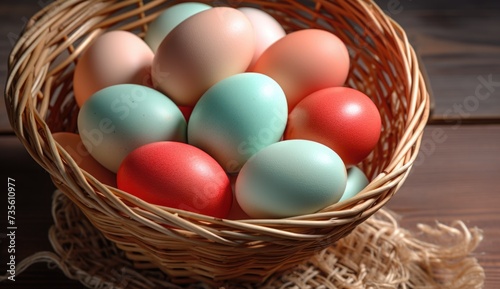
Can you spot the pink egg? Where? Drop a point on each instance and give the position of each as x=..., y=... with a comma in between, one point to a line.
x=73, y=145
x=305, y=61
x=115, y=57
x=202, y=50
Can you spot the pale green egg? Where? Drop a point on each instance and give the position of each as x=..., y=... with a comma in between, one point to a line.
x=290, y=178
x=237, y=117
x=120, y=118
x=356, y=182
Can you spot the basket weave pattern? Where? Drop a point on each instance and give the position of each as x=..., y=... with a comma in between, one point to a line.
x=40, y=101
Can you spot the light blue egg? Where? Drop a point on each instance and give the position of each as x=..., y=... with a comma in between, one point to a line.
x=356, y=182
x=237, y=117
x=120, y=118
x=169, y=19
x=290, y=178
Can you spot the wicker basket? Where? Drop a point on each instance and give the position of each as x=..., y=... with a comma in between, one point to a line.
x=40, y=101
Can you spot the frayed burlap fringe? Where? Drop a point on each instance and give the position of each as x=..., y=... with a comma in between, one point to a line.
x=377, y=254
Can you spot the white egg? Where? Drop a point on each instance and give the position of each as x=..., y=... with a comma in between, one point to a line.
x=290, y=178
x=267, y=30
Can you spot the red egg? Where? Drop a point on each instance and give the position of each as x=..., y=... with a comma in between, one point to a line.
x=176, y=175
x=344, y=119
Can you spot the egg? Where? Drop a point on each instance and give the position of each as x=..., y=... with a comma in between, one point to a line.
x=305, y=61
x=342, y=118
x=290, y=178
x=115, y=57
x=120, y=118
x=237, y=117
x=202, y=50
x=176, y=175
x=356, y=182
x=267, y=30
x=169, y=19
x=73, y=145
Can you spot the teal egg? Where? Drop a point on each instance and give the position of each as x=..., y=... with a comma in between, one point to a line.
x=237, y=117
x=120, y=118
x=169, y=19
x=290, y=178
x=356, y=181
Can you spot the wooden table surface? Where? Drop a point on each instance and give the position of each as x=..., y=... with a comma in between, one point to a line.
x=456, y=176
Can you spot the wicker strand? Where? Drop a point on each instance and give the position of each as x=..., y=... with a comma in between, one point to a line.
x=377, y=254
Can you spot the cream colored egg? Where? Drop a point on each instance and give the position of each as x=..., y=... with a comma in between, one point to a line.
x=115, y=57
x=267, y=30
x=202, y=50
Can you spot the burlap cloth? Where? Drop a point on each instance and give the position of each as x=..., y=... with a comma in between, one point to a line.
x=377, y=254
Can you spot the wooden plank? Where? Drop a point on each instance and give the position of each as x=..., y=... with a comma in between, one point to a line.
x=13, y=17
x=33, y=217
x=457, y=177
x=460, y=49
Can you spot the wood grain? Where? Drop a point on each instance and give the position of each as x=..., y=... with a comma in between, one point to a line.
x=457, y=177
x=459, y=46
x=13, y=16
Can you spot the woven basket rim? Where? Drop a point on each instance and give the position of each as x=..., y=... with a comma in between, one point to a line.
x=31, y=103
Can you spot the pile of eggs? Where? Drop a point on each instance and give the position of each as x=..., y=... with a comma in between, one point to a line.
x=219, y=111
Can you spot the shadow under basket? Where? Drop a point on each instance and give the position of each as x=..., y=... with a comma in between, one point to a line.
x=40, y=101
